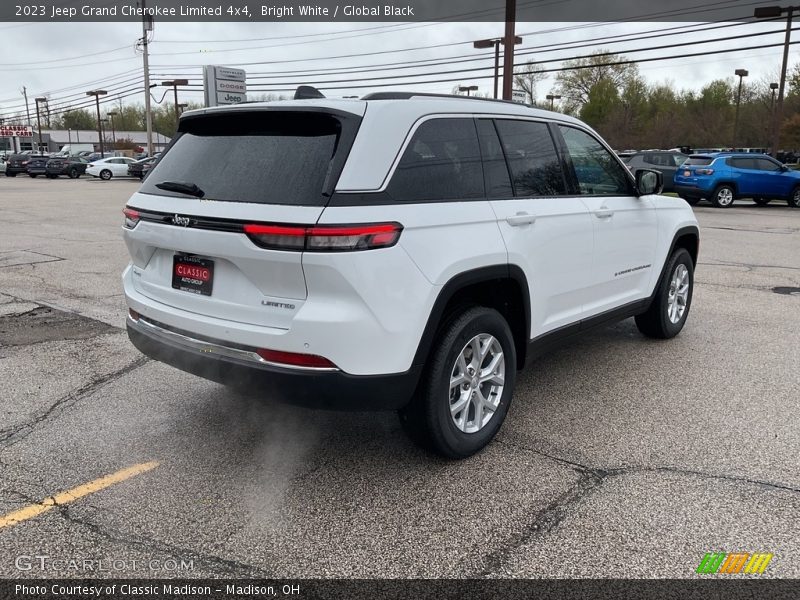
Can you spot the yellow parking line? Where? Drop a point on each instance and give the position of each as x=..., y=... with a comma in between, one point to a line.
x=75, y=493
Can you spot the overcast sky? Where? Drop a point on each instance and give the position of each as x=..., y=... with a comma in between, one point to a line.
x=63, y=60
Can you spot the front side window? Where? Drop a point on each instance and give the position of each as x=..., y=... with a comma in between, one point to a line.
x=442, y=162
x=764, y=164
x=597, y=171
x=532, y=159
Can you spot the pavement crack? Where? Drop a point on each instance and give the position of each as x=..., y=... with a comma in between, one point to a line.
x=221, y=566
x=11, y=435
x=591, y=479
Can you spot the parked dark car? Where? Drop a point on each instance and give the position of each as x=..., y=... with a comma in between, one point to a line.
x=665, y=161
x=16, y=164
x=71, y=166
x=37, y=164
x=141, y=167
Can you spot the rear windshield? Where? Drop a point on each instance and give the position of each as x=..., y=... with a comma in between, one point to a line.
x=261, y=157
x=699, y=160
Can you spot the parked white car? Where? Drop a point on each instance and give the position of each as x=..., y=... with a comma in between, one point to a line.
x=106, y=168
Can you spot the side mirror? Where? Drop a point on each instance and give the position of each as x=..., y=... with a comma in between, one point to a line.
x=784, y=168
x=649, y=181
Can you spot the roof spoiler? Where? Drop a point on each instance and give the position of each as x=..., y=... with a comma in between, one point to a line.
x=307, y=92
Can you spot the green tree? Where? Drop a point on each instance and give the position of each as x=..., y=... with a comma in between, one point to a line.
x=582, y=74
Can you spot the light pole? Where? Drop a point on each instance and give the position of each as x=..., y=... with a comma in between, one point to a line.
x=111, y=115
x=482, y=44
x=770, y=12
x=468, y=88
x=508, y=49
x=552, y=97
x=183, y=106
x=39, y=121
x=97, y=94
x=174, y=85
x=742, y=73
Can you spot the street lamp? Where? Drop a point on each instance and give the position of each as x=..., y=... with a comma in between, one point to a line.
x=481, y=44
x=183, y=106
x=741, y=73
x=174, y=85
x=552, y=97
x=39, y=120
x=468, y=88
x=111, y=115
x=97, y=94
x=771, y=12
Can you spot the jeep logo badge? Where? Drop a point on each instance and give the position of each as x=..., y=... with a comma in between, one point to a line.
x=182, y=221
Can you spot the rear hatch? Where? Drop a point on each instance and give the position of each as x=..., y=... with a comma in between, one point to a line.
x=695, y=166
x=225, y=170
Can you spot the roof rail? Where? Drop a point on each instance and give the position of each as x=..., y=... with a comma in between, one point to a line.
x=409, y=95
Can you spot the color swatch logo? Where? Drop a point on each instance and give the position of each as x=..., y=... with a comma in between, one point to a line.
x=736, y=562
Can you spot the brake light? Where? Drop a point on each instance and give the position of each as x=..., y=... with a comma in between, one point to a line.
x=705, y=171
x=131, y=217
x=295, y=359
x=324, y=238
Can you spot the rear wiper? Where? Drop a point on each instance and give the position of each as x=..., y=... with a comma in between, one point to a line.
x=179, y=186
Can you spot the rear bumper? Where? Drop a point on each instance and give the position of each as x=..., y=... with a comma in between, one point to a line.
x=690, y=191
x=333, y=390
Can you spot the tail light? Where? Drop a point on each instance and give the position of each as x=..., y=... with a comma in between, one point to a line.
x=324, y=238
x=294, y=359
x=131, y=217
x=705, y=171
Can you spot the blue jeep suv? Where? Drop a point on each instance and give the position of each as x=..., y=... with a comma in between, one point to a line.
x=721, y=177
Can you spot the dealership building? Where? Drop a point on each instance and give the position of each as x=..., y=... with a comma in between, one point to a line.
x=55, y=139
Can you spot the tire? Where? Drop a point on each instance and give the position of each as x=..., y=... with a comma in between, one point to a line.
x=73, y=173
x=691, y=201
x=723, y=196
x=761, y=201
x=794, y=199
x=105, y=174
x=10, y=174
x=32, y=175
x=428, y=419
x=662, y=320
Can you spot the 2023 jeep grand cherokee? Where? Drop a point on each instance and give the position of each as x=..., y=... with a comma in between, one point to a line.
x=400, y=251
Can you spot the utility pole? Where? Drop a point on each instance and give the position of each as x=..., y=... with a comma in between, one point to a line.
x=769, y=12
x=147, y=25
x=508, y=49
x=27, y=108
x=97, y=94
x=39, y=120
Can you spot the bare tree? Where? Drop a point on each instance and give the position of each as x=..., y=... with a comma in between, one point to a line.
x=527, y=77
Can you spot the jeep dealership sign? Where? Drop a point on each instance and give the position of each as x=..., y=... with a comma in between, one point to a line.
x=223, y=85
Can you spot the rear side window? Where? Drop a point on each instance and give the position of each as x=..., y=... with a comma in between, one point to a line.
x=597, y=171
x=764, y=164
x=743, y=163
x=699, y=161
x=442, y=162
x=261, y=157
x=532, y=159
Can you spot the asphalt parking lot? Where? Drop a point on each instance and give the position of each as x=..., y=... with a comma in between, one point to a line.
x=620, y=457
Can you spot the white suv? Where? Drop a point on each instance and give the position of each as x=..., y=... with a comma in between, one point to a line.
x=402, y=251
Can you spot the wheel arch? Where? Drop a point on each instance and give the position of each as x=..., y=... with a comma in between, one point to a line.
x=502, y=287
x=687, y=237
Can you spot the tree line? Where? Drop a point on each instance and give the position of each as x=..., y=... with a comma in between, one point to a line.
x=612, y=96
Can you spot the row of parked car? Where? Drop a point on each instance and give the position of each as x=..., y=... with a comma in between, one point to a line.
x=721, y=177
x=93, y=164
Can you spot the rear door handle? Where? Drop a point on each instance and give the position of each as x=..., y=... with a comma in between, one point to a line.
x=604, y=213
x=521, y=218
